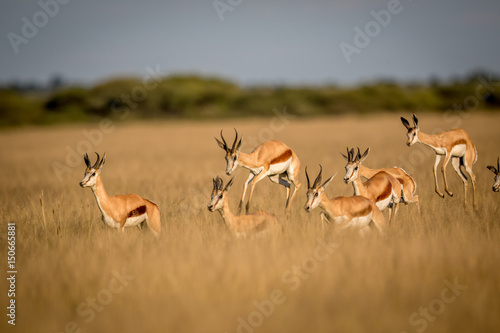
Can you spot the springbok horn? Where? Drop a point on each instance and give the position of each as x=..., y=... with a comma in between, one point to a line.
x=96, y=162
x=317, y=182
x=307, y=177
x=223, y=141
x=86, y=159
x=235, y=139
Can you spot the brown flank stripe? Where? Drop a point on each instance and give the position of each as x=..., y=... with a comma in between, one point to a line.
x=459, y=142
x=365, y=211
x=138, y=211
x=386, y=193
x=283, y=157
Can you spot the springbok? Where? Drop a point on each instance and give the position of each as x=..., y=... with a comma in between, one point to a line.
x=383, y=189
x=120, y=211
x=496, y=171
x=407, y=182
x=273, y=159
x=347, y=212
x=455, y=144
x=245, y=225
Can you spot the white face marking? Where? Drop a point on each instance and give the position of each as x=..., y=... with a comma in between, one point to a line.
x=232, y=162
x=313, y=199
x=351, y=172
x=89, y=179
x=216, y=201
x=412, y=136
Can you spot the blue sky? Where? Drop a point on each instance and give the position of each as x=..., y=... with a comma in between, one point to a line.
x=270, y=42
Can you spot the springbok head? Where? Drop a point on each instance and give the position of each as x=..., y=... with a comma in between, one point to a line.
x=496, y=171
x=92, y=171
x=316, y=190
x=353, y=162
x=412, y=133
x=218, y=194
x=231, y=153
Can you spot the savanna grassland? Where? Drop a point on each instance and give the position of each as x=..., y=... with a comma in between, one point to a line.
x=434, y=272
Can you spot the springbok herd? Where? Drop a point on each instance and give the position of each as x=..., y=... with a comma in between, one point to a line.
x=384, y=188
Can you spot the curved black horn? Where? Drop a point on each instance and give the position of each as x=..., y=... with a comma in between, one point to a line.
x=223, y=141
x=96, y=162
x=235, y=139
x=307, y=177
x=317, y=182
x=86, y=159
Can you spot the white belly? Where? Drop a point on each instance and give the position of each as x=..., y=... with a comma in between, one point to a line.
x=459, y=150
x=382, y=204
x=360, y=222
x=109, y=221
x=133, y=221
x=279, y=168
x=130, y=222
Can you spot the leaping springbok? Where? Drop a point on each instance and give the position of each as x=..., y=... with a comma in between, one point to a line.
x=245, y=225
x=407, y=182
x=347, y=212
x=455, y=144
x=496, y=171
x=120, y=211
x=273, y=159
x=383, y=189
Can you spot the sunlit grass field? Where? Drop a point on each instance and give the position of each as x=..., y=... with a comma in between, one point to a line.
x=434, y=272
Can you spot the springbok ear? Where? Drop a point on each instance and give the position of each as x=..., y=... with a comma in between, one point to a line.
x=220, y=144
x=238, y=146
x=405, y=123
x=365, y=154
x=325, y=184
x=87, y=160
x=101, y=163
x=229, y=184
x=415, y=121
x=307, y=177
x=492, y=169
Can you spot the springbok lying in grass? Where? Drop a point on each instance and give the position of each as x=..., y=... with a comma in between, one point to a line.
x=383, y=189
x=245, y=225
x=347, y=212
x=407, y=182
x=273, y=159
x=120, y=211
x=496, y=171
x=455, y=145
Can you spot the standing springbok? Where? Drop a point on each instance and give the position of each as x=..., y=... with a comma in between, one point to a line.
x=455, y=144
x=407, y=182
x=120, y=211
x=347, y=212
x=273, y=159
x=496, y=171
x=241, y=226
x=383, y=189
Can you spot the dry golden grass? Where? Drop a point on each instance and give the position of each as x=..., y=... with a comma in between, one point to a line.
x=195, y=278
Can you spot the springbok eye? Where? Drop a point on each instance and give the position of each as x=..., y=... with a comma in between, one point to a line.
x=93, y=174
x=316, y=194
x=356, y=168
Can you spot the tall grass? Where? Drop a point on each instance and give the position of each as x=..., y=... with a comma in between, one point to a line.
x=197, y=278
